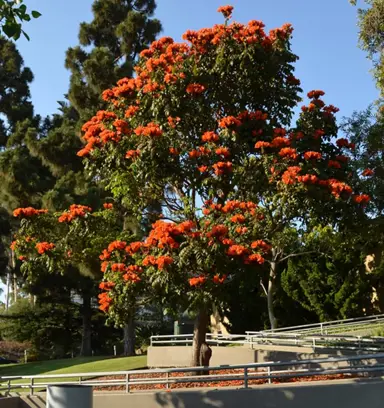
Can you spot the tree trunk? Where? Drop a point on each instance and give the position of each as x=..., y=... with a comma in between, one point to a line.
x=86, y=347
x=271, y=289
x=8, y=285
x=201, y=353
x=129, y=337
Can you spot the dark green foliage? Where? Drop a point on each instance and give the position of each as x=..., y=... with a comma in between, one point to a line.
x=371, y=23
x=119, y=31
x=13, y=14
x=335, y=286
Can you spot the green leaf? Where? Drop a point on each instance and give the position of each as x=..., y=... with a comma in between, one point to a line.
x=35, y=14
x=26, y=35
x=11, y=29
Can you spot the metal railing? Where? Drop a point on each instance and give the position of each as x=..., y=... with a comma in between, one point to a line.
x=253, y=339
x=245, y=374
x=334, y=326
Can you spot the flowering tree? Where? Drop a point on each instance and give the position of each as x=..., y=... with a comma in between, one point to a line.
x=209, y=121
x=66, y=243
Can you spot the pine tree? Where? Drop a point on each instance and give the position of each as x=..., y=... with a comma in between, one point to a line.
x=120, y=30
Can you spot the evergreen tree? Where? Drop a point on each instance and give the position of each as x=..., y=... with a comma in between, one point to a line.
x=119, y=31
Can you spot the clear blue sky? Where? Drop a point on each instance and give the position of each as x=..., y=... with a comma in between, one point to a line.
x=325, y=38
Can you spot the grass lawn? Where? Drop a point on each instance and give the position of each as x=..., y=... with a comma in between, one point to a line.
x=72, y=366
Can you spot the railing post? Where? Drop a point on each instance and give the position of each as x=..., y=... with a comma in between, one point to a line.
x=167, y=376
x=151, y=340
x=80, y=379
x=9, y=387
x=31, y=387
x=314, y=342
x=245, y=377
x=321, y=328
x=269, y=375
x=127, y=383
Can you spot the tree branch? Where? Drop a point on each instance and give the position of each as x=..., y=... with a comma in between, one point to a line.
x=262, y=285
x=292, y=255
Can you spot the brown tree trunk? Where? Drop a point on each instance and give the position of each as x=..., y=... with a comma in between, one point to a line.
x=270, y=292
x=129, y=337
x=86, y=347
x=199, y=333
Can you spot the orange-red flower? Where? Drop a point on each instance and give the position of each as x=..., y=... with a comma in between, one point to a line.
x=131, y=111
x=237, y=250
x=226, y=11
x=219, y=279
x=151, y=130
x=198, y=281
x=108, y=206
x=210, y=137
x=222, y=167
x=132, y=154
x=223, y=151
x=290, y=175
x=312, y=155
x=195, y=89
x=27, y=212
x=254, y=258
x=261, y=145
x=43, y=247
x=116, y=246
x=362, y=199
x=368, y=172
x=174, y=151
x=288, y=152
x=133, y=247
x=229, y=121
x=238, y=218
x=118, y=267
x=173, y=121
x=260, y=244
x=163, y=261
x=75, y=210
x=315, y=94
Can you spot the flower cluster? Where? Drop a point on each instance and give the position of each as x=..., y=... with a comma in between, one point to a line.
x=43, y=247
x=28, y=212
x=75, y=211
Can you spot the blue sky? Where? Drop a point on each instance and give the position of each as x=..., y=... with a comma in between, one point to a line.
x=325, y=38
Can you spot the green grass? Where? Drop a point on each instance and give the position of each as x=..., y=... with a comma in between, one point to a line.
x=72, y=366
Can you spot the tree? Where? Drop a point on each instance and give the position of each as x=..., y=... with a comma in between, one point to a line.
x=371, y=21
x=68, y=244
x=118, y=32
x=13, y=14
x=209, y=122
x=333, y=283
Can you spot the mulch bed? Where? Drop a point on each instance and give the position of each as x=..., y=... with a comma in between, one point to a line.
x=210, y=384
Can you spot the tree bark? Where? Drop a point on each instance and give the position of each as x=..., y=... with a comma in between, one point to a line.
x=129, y=336
x=271, y=289
x=86, y=346
x=199, y=349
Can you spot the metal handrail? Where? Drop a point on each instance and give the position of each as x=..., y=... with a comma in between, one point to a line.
x=249, y=372
x=296, y=339
x=333, y=323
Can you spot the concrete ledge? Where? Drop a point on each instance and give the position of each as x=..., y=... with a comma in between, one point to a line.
x=180, y=356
